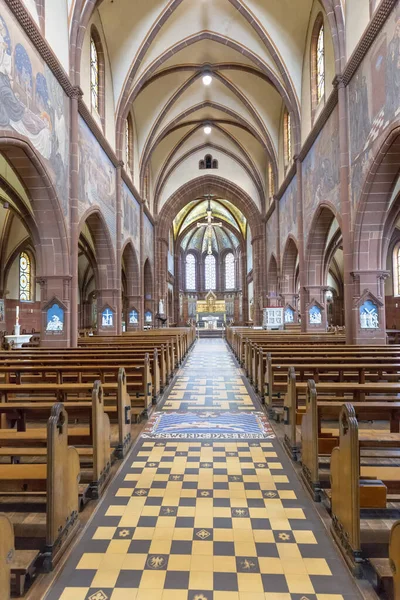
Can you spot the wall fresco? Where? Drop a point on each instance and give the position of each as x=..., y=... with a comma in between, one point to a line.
x=131, y=216
x=374, y=99
x=32, y=102
x=321, y=171
x=148, y=240
x=97, y=178
x=288, y=214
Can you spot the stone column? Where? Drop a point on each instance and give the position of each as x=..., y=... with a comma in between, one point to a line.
x=345, y=208
x=142, y=304
x=258, y=279
x=118, y=250
x=300, y=234
x=74, y=213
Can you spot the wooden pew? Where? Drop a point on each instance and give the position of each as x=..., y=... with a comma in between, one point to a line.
x=94, y=441
x=388, y=569
x=351, y=493
x=6, y=556
x=55, y=483
x=315, y=443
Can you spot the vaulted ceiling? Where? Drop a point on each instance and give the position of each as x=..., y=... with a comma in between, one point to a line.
x=158, y=54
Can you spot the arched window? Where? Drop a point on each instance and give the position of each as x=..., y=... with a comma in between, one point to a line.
x=230, y=271
x=317, y=63
x=271, y=183
x=129, y=144
x=208, y=160
x=215, y=164
x=210, y=272
x=191, y=272
x=25, y=277
x=97, y=75
x=396, y=270
x=287, y=137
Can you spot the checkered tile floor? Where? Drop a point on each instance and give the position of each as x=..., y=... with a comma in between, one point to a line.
x=205, y=520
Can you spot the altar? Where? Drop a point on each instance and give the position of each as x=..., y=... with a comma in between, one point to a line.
x=211, y=313
x=18, y=340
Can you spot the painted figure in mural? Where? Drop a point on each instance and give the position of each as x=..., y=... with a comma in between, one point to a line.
x=55, y=324
x=393, y=73
x=133, y=317
x=107, y=318
x=369, y=318
x=360, y=122
x=289, y=315
x=315, y=316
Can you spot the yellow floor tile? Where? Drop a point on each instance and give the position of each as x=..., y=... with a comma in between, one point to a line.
x=288, y=551
x=174, y=595
x=74, y=593
x=226, y=596
x=294, y=566
x=201, y=563
x=250, y=582
x=90, y=561
x=104, y=533
x=153, y=580
x=317, y=566
x=160, y=547
x=118, y=547
x=270, y=565
x=202, y=548
x=183, y=534
x=224, y=564
x=179, y=562
x=223, y=535
x=153, y=594
x=134, y=562
x=124, y=594
x=304, y=537
x=201, y=580
x=299, y=584
x=245, y=549
x=105, y=578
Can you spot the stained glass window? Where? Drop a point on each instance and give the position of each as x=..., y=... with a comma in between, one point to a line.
x=287, y=138
x=210, y=272
x=190, y=272
x=271, y=181
x=320, y=66
x=229, y=271
x=94, y=75
x=25, y=277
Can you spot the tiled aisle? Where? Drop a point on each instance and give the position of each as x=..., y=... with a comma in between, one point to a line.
x=207, y=507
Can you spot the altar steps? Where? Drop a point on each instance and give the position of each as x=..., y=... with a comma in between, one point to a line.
x=210, y=333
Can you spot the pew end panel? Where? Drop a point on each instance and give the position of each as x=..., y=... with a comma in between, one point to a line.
x=289, y=419
x=309, y=444
x=101, y=442
x=124, y=416
x=7, y=552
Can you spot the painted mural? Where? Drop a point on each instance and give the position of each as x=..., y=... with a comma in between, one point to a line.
x=148, y=240
x=97, y=178
x=131, y=216
x=32, y=102
x=374, y=99
x=321, y=171
x=288, y=214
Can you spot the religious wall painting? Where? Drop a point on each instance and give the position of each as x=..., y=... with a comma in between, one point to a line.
x=374, y=99
x=2, y=311
x=315, y=313
x=133, y=317
x=288, y=213
x=321, y=176
x=289, y=314
x=249, y=247
x=55, y=319
x=148, y=317
x=107, y=318
x=148, y=239
x=131, y=216
x=97, y=178
x=33, y=104
x=369, y=315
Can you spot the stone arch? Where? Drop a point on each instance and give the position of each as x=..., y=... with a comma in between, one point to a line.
x=103, y=248
x=289, y=260
x=316, y=246
x=47, y=225
x=132, y=271
x=373, y=217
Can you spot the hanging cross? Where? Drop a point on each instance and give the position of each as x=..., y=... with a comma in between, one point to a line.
x=209, y=225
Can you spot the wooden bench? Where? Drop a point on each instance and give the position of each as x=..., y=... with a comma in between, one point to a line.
x=51, y=490
x=95, y=437
x=388, y=569
x=353, y=494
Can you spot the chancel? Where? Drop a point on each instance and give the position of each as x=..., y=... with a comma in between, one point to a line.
x=200, y=299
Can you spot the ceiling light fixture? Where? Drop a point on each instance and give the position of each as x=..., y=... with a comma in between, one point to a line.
x=207, y=79
x=207, y=129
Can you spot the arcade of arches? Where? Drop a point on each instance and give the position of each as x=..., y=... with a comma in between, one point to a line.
x=158, y=154
x=110, y=145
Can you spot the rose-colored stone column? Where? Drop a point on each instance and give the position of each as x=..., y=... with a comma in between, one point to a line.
x=300, y=235
x=118, y=250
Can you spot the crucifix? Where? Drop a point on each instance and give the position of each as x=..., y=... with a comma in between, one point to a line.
x=209, y=225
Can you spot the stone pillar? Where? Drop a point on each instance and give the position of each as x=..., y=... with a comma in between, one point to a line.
x=369, y=298
x=161, y=275
x=74, y=213
x=142, y=303
x=55, y=289
x=118, y=250
x=345, y=209
x=300, y=234
x=315, y=299
x=258, y=278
